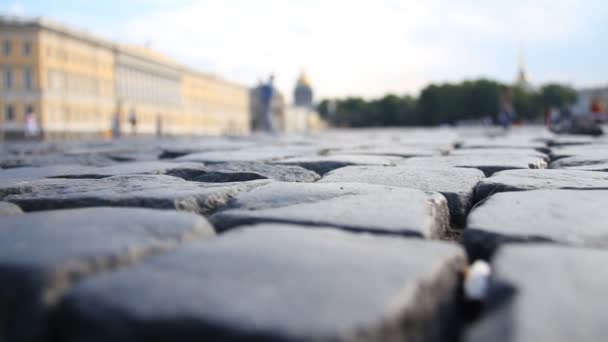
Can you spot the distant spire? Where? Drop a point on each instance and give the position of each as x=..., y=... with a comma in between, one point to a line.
x=522, y=79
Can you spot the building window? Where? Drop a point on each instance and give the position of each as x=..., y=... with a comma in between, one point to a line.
x=27, y=48
x=9, y=112
x=28, y=78
x=7, y=77
x=29, y=109
x=7, y=47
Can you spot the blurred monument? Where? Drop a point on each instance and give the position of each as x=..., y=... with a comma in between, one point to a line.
x=302, y=116
x=267, y=107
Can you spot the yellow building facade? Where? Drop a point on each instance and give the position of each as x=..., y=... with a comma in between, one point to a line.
x=78, y=84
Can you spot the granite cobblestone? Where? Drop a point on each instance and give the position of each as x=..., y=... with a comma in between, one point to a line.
x=345, y=235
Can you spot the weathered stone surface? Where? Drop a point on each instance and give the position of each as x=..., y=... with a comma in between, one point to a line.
x=180, y=149
x=574, y=217
x=567, y=139
x=213, y=173
x=43, y=254
x=243, y=171
x=274, y=283
x=589, y=162
x=135, y=168
x=589, y=150
x=456, y=184
x=525, y=142
x=324, y=164
x=357, y=207
x=488, y=163
x=525, y=152
x=16, y=175
x=7, y=209
x=517, y=180
x=403, y=151
x=261, y=154
x=545, y=293
x=149, y=191
x=55, y=159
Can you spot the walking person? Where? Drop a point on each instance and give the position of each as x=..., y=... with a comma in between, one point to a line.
x=267, y=94
x=159, y=125
x=507, y=111
x=133, y=121
x=32, y=129
x=116, y=125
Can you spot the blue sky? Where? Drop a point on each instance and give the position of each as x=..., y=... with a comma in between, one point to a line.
x=356, y=47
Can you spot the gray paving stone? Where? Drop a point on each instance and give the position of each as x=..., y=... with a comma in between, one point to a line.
x=261, y=154
x=589, y=162
x=225, y=172
x=180, y=149
x=55, y=159
x=356, y=207
x=324, y=164
x=589, y=150
x=545, y=293
x=456, y=184
x=573, y=217
x=243, y=171
x=403, y=151
x=148, y=191
x=525, y=142
x=42, y=254
x=274, y=283
x=488, y=163
x=567, y=139
x=134, y=168
x=16, y=175
x=7, y=209
x=526, y=152
x=517, y=180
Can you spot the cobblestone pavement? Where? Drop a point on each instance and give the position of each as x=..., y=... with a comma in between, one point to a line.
x=351, y=235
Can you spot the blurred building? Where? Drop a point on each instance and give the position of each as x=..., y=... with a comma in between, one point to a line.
x=75, y=84
x=586, y=97
x=258, y=109
x=303, y=94
x=302, y=116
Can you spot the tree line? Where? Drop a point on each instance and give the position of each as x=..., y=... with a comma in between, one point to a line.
x=448, y=103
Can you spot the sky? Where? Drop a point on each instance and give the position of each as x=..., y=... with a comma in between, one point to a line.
x=355, y=47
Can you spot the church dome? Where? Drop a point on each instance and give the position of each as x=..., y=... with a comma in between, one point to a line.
x=303, y=93
x=303, y=80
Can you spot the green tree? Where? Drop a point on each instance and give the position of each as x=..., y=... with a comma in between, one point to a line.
x=445, y=103
x=558, y=95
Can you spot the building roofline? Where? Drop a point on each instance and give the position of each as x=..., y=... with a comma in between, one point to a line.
x=134, y=51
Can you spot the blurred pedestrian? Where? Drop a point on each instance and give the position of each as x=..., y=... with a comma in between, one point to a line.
x=267, y=95
x=554, y=116
x=507, y=111
x=32, y=129
x=133, y=121
x=116, y=125
x=159, y=125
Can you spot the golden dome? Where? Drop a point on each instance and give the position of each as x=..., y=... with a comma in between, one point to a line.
x=303, y=80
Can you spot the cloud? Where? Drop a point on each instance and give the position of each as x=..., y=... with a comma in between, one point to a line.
x=360, y=47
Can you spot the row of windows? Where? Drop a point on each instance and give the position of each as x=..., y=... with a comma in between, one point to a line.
x=7, y=48
x=78, y=58
x=140, y=86
x=10, y=112
x=70, y=83
x=8, y=77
